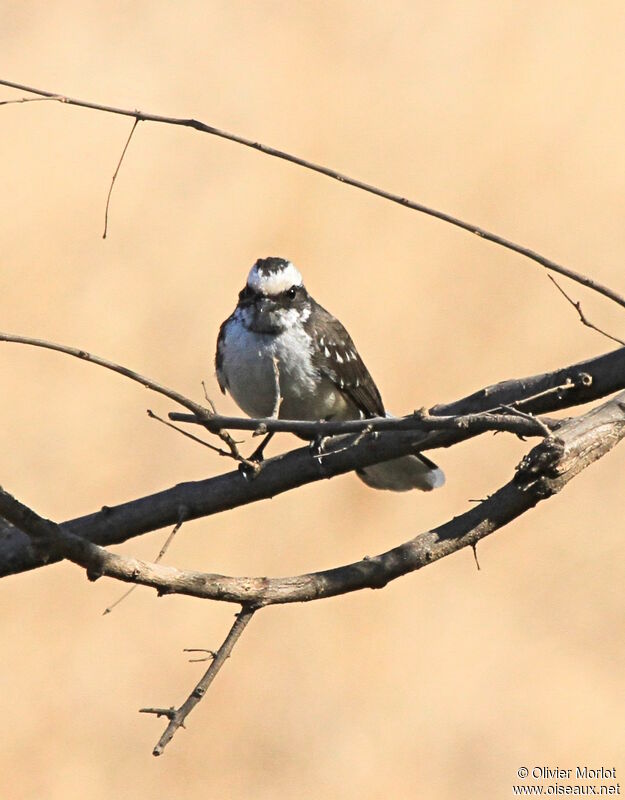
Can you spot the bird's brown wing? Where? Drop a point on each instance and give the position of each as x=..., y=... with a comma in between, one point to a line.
x=221, y=378
x=336, y=357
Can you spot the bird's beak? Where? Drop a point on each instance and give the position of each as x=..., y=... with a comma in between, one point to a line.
x=265, y=304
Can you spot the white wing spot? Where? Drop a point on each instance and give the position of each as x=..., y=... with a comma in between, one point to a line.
x=321, y=342
x=338, y=358
x=326, y=352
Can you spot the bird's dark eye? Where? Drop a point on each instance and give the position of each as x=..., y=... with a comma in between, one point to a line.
x=291, y=293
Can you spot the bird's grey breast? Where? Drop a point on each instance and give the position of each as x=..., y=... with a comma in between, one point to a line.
x=262, y=370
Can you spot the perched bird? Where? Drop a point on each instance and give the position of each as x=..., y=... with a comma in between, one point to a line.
x=281, y=354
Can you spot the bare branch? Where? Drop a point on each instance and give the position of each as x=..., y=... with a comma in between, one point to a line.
x=593, y=378
x=546, y=469
x=177, y=716
x=331, y=173
x=542, y=473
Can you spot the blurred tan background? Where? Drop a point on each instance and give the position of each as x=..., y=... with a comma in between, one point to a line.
x=508, y=114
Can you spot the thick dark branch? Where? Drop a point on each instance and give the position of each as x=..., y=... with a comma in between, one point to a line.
x=211, y=496
x=331, y=173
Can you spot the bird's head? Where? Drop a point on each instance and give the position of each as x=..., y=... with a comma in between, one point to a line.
x=274, y=298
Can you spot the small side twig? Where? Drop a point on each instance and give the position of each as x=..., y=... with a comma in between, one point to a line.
x=517, y=412
x=161, y=553
x=114, y=178
x=191, y=436
x=177, y=716
x=225, y=437
x=582, y=317
x=276, y=377
x=210, y=654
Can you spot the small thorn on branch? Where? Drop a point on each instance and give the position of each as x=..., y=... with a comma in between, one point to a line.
x=477, y=563
x=170, y=712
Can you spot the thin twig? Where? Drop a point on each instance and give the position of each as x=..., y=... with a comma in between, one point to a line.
x=276, y=377
x=224, y=435
x=197, y=439
x=21, y=100
x=114, y=178
x=582, y=317
x=177, y=716
x=331, y=173
x=161, y=553
x=536, y=420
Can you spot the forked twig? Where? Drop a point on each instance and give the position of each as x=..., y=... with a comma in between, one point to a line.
x=177, y=716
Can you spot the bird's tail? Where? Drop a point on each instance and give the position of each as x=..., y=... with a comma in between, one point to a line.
x=402, y=474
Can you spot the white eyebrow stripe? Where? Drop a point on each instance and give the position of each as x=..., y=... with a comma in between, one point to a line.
x=273, y=283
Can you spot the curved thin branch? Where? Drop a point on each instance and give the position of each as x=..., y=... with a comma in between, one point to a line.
x=199, y=411
x=331, y=173
x=153, y=385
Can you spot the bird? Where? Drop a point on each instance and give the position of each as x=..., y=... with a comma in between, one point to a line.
x=281, y=354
